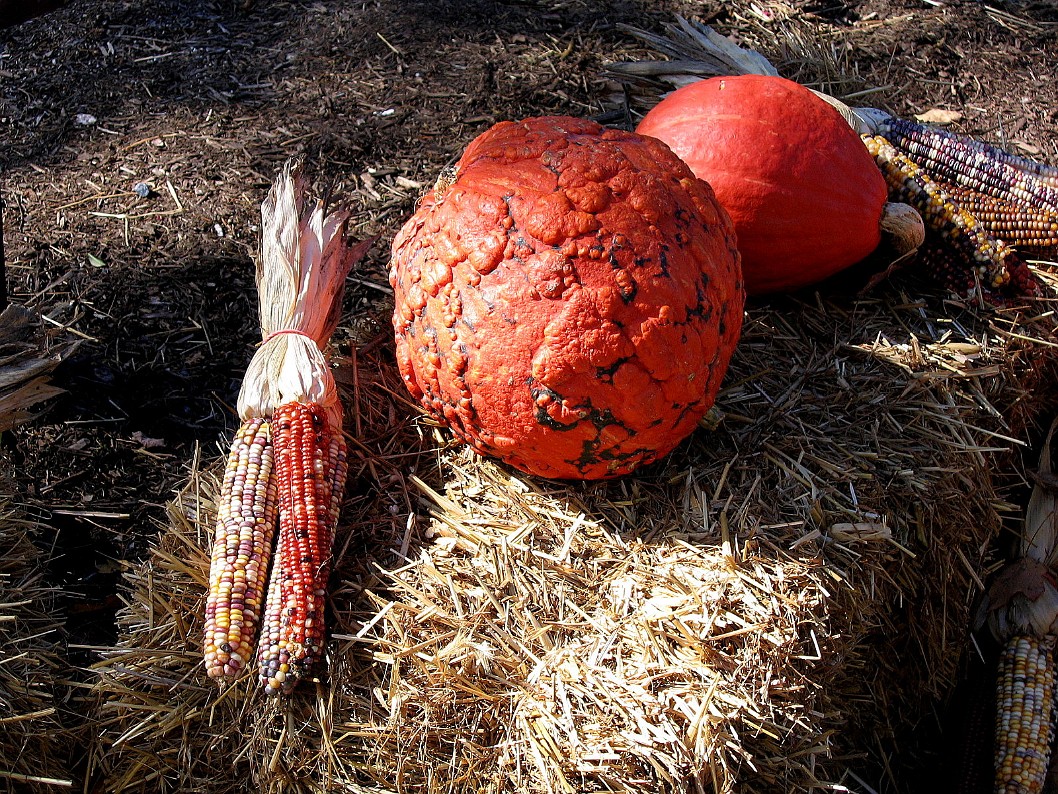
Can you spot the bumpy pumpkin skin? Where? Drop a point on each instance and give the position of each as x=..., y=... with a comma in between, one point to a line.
x=805, y=196
x=569, y=300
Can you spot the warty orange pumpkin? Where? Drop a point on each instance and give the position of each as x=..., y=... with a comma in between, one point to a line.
x=567, y=299
x=806, y=198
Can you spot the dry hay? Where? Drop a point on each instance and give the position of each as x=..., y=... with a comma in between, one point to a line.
x=34, y=743
x=773, y=607
x=33, y=676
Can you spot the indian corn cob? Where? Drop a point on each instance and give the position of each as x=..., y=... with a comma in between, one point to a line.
x=975, y=256
x=1025, y=714
x=287, y=464
x=979, y=166
x=311, y=466
x=1023, y=615
x=991, y=266
x=1022, y=228
x=242, y=549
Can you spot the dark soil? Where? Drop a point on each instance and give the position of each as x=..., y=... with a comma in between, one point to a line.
x=203, y=101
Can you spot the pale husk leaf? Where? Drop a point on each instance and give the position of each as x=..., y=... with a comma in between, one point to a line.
x=304, y=259
x=1039, y=539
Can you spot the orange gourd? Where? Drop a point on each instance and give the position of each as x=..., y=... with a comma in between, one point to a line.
x=806, y=198
x=568, y=299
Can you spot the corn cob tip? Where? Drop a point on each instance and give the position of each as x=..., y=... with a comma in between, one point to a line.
x=275, y=671
x=224, y=666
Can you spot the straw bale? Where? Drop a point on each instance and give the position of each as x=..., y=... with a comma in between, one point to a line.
x=34, y=740
x=34, y=678
x=770, y=608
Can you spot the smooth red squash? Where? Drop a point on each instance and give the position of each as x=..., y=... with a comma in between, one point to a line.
x=568, y=300
x=805, y=196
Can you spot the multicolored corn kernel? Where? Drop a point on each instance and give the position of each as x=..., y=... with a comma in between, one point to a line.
x=242, y=549
x=979, y=166
x=949, y=269
x=1025, y=714
x=980, y=263
x=1026, y=229
x=311, y=466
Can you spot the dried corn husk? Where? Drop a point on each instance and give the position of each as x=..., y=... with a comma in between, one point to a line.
x=698, y=50
x=1038, y=540
x=304, y=259
x=1023, y=599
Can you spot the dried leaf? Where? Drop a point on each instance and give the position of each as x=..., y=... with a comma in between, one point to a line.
x=1024, y=577
x=146, y=441
x=860, y=530
x=1023, y=600
x=939, y=116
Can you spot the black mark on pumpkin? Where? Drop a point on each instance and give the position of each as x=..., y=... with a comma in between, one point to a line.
x=627, y=287
x=605, y=374
x=663, y=260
